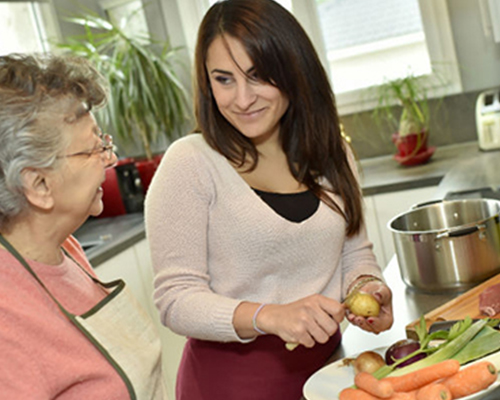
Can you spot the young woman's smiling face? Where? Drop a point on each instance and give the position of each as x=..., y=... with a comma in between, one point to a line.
x=253, y=107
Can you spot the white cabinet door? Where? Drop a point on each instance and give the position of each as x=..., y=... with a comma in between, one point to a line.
x=373, y=231
x=124, y=266
x=134, y=266
x=172, y=344
x=388, y=205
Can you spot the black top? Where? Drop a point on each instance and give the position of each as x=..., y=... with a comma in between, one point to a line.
x=295, y=207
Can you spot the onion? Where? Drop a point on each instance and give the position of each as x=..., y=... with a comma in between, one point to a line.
x=401, y=349
x=368, y=361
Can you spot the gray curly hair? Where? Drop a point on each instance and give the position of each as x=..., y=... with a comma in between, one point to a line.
x=37, y=93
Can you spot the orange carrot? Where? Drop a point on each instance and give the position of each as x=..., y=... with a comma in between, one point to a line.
x=403, y=396
x=434, y=391
x=355, y=394
x=471, y=379
x=370, y=384
x=416, y=379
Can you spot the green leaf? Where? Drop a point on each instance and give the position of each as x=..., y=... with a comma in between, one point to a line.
x=421, y=329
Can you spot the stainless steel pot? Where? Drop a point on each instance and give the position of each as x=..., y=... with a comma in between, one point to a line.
x=448, y=245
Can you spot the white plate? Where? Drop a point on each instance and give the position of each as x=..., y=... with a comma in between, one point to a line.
x=328, y=382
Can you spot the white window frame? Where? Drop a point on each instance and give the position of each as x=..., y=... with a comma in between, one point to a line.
x=50, y=32
x=52, y=29
x=437, y=28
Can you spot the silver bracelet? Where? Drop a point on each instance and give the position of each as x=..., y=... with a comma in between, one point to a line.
x=254, y=320
x=361, y=283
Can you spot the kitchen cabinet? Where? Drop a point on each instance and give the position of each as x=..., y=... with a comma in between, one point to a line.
x=381, y=208
x=134, y=266
x=124, y=266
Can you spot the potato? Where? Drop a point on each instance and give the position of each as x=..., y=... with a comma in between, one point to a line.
x=363, y=304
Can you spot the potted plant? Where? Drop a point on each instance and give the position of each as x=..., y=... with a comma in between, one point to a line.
x=412, y=125
x=146, y=99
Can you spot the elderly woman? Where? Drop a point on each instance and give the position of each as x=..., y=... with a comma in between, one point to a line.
x=64, y=334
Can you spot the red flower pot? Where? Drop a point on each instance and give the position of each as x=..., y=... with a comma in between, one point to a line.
x=412, y=149
x=411, y=144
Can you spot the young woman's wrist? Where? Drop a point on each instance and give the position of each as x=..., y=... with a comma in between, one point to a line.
x=362, y=281
x=254, y=320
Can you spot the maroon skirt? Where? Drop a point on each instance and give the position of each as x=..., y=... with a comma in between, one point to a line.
x=261, y=370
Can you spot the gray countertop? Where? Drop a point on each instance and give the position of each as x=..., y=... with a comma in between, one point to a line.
x=103, y=238
x=384, y=174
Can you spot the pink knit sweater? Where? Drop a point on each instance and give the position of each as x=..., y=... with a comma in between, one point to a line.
x=42, y=355
x=215, y=243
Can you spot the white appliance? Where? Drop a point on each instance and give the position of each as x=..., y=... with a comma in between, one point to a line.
x=488, y=119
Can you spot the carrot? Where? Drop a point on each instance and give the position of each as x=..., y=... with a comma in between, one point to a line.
x=434, y=391
x=471, y=379
x=416, y=379
x=355, y=394
x=370, y=384
x=403, y=396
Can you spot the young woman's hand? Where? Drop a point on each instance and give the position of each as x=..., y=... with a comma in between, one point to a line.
x=307, y=321
x=384, y=320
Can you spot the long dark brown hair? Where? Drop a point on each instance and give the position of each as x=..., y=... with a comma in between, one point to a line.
x=283, y=56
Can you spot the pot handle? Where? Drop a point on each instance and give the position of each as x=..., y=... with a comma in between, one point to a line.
x=426, y=203
x=461, y=232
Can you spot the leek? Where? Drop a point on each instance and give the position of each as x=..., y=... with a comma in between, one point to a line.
x=485, y=342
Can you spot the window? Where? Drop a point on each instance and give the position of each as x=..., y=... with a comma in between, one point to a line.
x=367, y=42
x=26, y=27
x=129, y=15
x=362, y=43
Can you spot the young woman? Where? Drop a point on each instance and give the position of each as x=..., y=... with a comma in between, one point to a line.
x=255, y=223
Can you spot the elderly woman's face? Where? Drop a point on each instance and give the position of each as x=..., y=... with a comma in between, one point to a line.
x=252, y=106
x=78, y=192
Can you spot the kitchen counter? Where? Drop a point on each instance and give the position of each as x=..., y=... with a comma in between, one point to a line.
x=384, y=174
x=103, y=238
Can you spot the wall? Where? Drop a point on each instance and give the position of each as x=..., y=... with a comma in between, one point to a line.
x=479, y=56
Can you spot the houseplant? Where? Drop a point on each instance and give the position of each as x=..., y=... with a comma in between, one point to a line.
x=146, y=99
x=412, y=125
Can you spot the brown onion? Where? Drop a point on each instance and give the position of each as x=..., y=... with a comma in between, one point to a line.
x=368, y=361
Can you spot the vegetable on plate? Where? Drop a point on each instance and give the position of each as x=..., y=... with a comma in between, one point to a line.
x=367, y=361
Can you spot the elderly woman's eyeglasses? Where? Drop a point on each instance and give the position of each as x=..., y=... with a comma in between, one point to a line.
x=106, y=147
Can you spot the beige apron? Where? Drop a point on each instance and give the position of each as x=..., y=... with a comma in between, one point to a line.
x=122, y=331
